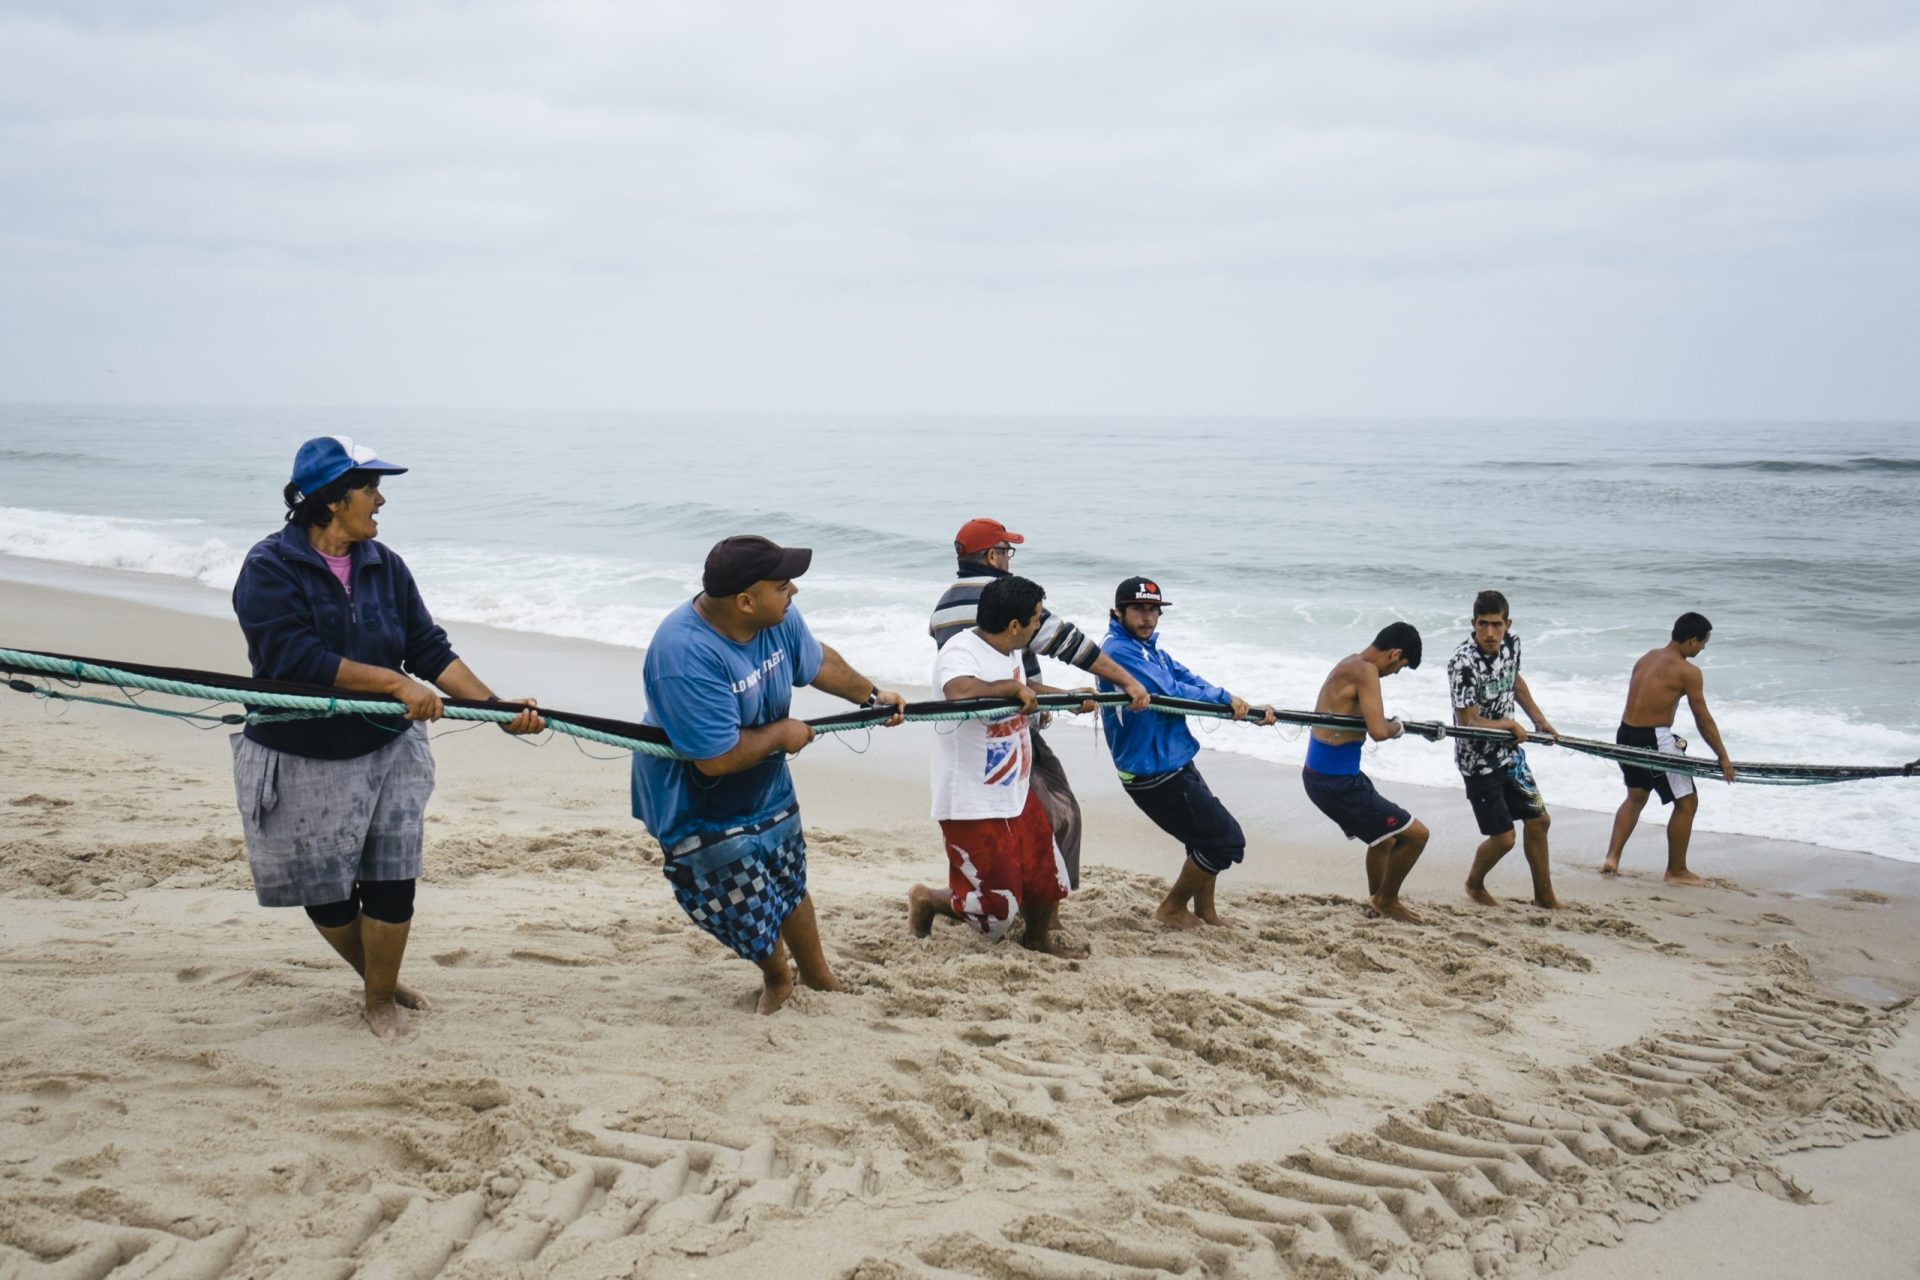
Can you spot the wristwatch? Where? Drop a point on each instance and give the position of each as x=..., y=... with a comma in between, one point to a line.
x=873, y=697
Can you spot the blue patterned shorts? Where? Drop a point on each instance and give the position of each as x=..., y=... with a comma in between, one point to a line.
x=742, y=888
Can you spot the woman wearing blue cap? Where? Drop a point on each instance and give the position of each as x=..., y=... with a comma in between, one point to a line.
x=334, y=809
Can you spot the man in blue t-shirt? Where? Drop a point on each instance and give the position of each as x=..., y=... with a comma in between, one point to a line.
x=720, y=673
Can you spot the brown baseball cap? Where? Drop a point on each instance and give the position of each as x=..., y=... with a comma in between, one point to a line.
x=738, y=562
x=982, y=534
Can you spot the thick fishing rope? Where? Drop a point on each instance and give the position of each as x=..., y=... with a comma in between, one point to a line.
x=269, y=702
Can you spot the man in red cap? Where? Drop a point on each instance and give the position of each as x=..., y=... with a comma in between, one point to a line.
x=984, y=549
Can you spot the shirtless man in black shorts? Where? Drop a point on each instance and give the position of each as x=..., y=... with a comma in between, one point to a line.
x=1337, y=787
x=1660, y=679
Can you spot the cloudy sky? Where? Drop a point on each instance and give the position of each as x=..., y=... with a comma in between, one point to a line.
x=1630, y=208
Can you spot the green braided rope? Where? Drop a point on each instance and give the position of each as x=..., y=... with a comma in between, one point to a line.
x=284, y=706
x=293, y=706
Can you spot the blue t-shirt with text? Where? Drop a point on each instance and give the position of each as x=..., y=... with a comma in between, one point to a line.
x=703, y=689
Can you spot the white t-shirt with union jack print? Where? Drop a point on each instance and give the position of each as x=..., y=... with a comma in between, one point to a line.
x=980, y=767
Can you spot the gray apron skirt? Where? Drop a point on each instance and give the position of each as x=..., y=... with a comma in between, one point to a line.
x=315, y=828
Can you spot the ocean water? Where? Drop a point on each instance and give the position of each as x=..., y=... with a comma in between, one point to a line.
x=1283, y=546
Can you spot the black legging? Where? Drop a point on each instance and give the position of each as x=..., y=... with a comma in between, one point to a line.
x=388, y=901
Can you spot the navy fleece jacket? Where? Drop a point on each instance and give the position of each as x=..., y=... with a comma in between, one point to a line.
x=300, y=623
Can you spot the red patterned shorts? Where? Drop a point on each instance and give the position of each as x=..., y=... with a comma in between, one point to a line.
x=998, y=866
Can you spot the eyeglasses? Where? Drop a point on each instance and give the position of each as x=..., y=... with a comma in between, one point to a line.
x=1003, y=550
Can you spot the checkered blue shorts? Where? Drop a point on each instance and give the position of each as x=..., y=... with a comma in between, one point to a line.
x=741, y=889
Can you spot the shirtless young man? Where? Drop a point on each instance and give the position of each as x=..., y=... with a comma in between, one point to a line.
x=1659, y=681
x=1337, y=787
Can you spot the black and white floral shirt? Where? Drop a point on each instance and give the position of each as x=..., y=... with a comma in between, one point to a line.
x=1484, y=681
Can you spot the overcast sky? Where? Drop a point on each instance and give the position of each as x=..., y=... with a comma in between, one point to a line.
x=1632, y=208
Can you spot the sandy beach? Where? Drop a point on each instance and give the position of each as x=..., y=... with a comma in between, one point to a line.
x=1651, y=1081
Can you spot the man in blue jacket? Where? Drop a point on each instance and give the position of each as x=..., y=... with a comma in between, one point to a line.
x=1154, y=753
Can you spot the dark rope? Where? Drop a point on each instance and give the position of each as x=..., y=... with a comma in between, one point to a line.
x=968, y=708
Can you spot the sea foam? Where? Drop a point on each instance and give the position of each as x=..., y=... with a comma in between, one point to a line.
x=879, y=623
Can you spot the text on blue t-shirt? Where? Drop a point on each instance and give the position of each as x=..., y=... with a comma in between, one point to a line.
x=703, y=689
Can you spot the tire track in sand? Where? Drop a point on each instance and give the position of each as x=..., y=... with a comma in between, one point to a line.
x=1472, y=1185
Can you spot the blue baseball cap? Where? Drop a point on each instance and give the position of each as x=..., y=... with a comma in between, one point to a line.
x=324, y=459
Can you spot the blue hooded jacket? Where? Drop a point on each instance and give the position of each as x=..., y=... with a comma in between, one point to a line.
x=300, y=623
x=1150, y=742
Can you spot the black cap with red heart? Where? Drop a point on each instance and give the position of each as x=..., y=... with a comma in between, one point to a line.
x=1138, y=591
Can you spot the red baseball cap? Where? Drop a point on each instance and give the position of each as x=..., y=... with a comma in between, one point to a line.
x=980, y=535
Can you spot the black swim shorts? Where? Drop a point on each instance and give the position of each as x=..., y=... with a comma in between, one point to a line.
x=1670, y=786
x=1182, y=805
x=1505, y=796
x=1350, y=800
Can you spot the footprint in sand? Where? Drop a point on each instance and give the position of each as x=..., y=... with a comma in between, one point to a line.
x=556, y=958
x=38, y=801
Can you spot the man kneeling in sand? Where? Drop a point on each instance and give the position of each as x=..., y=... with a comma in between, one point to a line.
x=1337, y=787
x=1000, y=851
x=1659, y=680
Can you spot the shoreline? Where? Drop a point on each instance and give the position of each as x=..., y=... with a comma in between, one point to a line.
x=601, y=678
x=877, y=783
x=187, y=1080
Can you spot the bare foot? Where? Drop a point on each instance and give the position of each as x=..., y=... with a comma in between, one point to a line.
x=1175, y=915
x=1051, y=945
x=1611, y=867
x=1212, y=917
x=820, y=982
x=386, y=1020
x=1394, y=910
x=1689, y=879
x=1546, y=900
x=1480, y=895
x=774, y=994
x=407, y=998
x=922, y=907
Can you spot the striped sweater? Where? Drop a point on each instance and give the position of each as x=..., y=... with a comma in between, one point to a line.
x=1057, y=638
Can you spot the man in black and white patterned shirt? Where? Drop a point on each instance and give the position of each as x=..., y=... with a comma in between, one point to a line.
x=1484, y=675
